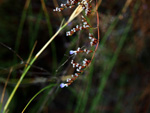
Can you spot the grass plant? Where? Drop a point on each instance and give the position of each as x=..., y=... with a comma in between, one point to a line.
x=74, y=14
x=87, y=93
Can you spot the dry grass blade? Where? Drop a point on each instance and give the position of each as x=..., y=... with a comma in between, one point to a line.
x=3, y=93
x=30, y=54
x=77, y=11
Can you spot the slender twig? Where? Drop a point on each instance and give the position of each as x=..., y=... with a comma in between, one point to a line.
x=36, y=96
x=97, y=31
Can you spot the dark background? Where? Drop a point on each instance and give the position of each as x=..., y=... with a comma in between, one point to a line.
x=121, y=79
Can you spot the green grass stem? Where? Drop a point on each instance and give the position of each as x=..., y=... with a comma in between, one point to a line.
x=50, y=30
x=120, y=93
x=19, y=33
x=109, y=68
x=17, y=85
x=36, y=29
x=30, y=22
x=47, y=87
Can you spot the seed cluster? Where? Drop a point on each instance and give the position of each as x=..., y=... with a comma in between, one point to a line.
x=94, y=41
x=79, y=70
x=79, y=50
x=82, y=26
x=79, y=67
x=86, y=5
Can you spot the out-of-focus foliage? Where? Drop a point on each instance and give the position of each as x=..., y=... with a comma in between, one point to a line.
x=127, y=87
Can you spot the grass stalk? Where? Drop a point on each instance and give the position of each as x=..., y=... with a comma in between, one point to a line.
x=30, y=54
x=3, y=93
x=17, y=85
x=120, y=93
x=19, y=33
x=47, y=18
x=47, y=87
x=36, y=29
x=53, y=48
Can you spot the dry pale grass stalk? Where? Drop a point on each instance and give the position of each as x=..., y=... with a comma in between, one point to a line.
x=76, y=12
x=3, y=93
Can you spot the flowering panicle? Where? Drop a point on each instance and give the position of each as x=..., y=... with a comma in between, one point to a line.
x=85, y=23
x=79, y=50
x=93, y=40
x=79, y=67
x=79, y=70
x=86, y=4
x=82, y=26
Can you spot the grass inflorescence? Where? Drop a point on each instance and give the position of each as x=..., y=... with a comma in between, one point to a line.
x=80, y=56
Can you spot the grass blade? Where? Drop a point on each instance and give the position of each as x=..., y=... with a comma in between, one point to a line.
x=47, y=87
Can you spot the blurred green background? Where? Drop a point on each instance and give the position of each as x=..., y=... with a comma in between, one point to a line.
x=118, y=79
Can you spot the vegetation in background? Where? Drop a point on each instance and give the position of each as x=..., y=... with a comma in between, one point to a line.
x=116, y=81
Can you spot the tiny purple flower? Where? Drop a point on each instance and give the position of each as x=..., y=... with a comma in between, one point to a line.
x=62, y=85
x=72, y=52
